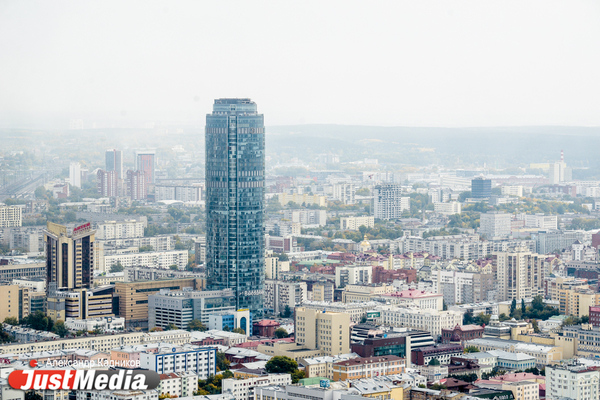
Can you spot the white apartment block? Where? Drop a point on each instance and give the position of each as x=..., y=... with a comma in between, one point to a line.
x=279, y=294
x=450, y=208
x=246, y=389
x=571, y=382
x=151, y=259
x=540, y=221
x=455, y=287
x=353, y=275
x=416, y=299
x=183, y=384
x=178, y=192
x=467, y=247
x=431, y=321
x=495, y=225
x=274, y=267
x=516, y=191
x=307, y=217
x=120, y=230
x=10, y=216
x=88, y=325
x=353, y=223
x=199, y=360
x=388, y=202
x=344, y=192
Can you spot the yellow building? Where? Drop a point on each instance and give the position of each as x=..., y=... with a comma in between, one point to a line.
x=80, y=304
x=577, y=302
x=325, y=331
x=9, y=298
x=287, y=349
x=132, y=297
x=360, y=293
x=523, y=390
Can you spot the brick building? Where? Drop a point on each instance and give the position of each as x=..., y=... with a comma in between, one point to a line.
x=462, y=333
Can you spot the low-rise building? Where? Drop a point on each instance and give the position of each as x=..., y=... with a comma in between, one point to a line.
x=247, y=389
x=201, y=361
x=544, y=354
x=369, y=367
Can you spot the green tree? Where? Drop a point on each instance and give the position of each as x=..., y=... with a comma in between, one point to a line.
x=471, y=349
x=523, y=307
x=144, y=249
x=537, y=303
x=287, y=312
x=171, y=327
x=173, y=267
x=11, y=321
x=196, y=325
x=513, y=307
x=297, y=375
x=222, y=362
x=118, y=267
x=468, y=317
x=281, y=365
x=38, y=321
x=239, y=330
x=434, y=361
x=281, y=333
x=60, y=328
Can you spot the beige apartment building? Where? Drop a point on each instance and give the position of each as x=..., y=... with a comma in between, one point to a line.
x=353, y=223
x=326, y=331
x=520, y=274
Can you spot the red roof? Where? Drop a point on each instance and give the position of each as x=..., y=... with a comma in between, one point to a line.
x=168, y=376
x=267, y=322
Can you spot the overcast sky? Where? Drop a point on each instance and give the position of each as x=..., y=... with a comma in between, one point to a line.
x=418, y=63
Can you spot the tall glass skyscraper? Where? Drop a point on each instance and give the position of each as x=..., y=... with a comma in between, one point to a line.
x=235, y=205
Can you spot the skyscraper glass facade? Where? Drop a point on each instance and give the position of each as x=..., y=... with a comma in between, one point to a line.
x=235, y=183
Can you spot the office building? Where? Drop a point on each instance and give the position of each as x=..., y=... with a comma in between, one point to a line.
x=495, y=225
x=520, y=274
x=279, y=294
x=145, y=163
x=586, y=338
x=181, y=307
x=132, y=297
x=516, y=191
x=322, y=330
x=10, y=216
x=368, y=367
x=200, y=250
x=235, y=205
x=388, y=202
x=307, y=217
x=75, y=174
x=137, y=188
x=550, y=241
x=575, y=382
x=481, y=188
x=188, y=358
x=353, y=223
x=353, y=275
x=11, y=301
x=462, y=287
x=577, y=302
x=107, y=182
x=79, y=303
x=539, y=220
x=544, y=354
x=230, y=320
x=322, y=291
x=69, y=256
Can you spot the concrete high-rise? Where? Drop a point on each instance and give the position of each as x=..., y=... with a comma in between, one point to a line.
x=145, y=162
x=69, y=256
x=235, y=205
x=114, y=162
x=75, y=174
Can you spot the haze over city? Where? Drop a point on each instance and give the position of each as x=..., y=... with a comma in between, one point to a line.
x=280, y=200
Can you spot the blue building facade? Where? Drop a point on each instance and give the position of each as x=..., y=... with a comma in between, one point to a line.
x=235, y=193
x=481, y=188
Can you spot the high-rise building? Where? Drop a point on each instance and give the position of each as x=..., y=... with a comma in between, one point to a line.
x=577, y=382
x=323, y=330
x=481, y=188
x=520, y=274
x=10, y=216
x=144, y=162
x=107, y=183
x=69, y=256
x=388, y=202
x=137, y=189
x=235, y=206
x=114, y=162
x=75, y=174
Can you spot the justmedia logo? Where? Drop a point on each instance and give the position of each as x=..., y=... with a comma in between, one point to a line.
x=82, y=379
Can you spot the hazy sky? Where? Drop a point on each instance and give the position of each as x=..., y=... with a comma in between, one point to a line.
x=418, y=63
